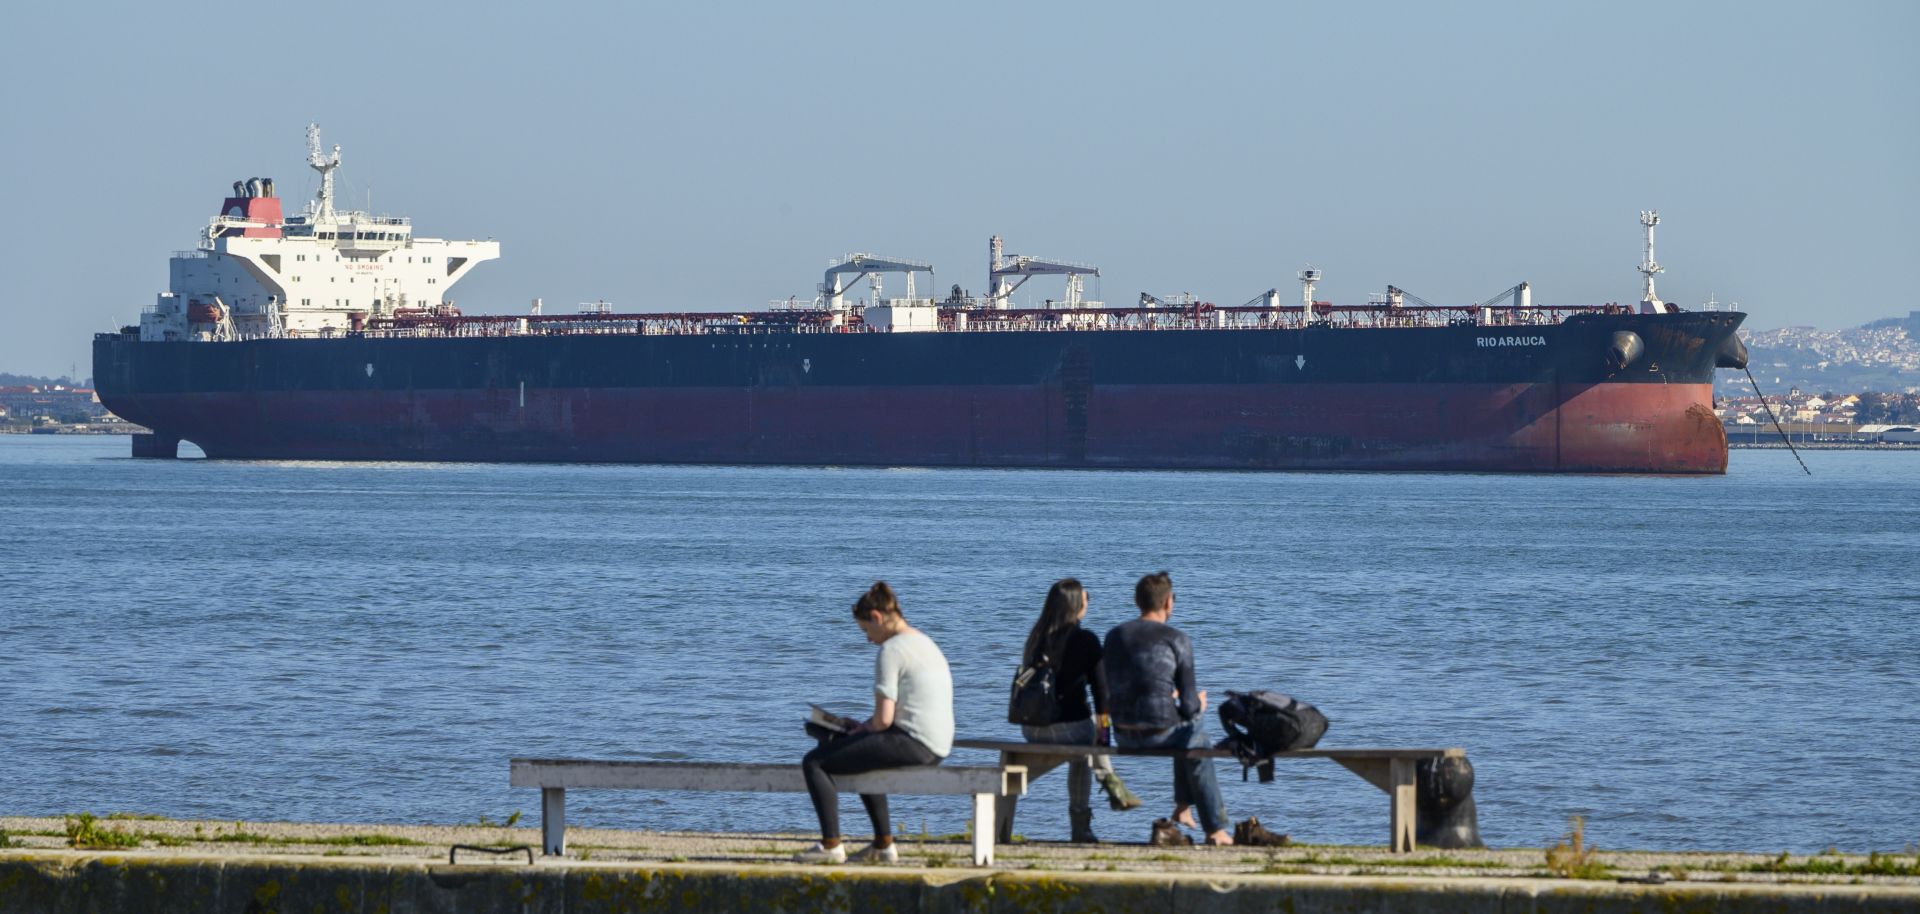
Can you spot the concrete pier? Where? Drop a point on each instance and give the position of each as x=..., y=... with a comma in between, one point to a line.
x=69, y=882
x=272, y=867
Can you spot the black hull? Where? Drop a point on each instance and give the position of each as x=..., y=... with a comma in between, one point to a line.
x=1542, y=398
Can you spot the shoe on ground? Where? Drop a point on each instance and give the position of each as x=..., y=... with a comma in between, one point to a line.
x=875, y=855
x=1167, y=834
x=1252, y=834
x=820, y=853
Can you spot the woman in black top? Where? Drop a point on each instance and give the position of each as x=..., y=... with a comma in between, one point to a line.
x=1058, y=642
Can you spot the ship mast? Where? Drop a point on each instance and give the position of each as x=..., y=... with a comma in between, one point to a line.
x=1650, y=218
x=323, y=203
x=1308, y=277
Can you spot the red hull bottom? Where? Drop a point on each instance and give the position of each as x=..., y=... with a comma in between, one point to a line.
x=1635, y=428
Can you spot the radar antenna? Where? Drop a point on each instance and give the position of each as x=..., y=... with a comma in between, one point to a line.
x=318, y=161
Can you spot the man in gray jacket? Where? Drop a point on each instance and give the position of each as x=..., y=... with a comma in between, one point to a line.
x=1155, y=704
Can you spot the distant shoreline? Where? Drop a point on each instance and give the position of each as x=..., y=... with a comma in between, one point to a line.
x=72, y=430
x=1777, y=445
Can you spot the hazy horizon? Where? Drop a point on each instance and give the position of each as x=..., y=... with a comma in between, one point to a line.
x=668, y=158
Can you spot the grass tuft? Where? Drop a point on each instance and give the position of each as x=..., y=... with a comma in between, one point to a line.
x=84, y=831
x=1573, y=859
x=1876, y=864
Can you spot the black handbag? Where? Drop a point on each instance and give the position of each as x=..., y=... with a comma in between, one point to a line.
x=1034, y=702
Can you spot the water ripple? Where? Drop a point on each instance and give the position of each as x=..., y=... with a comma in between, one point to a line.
x=373, y=642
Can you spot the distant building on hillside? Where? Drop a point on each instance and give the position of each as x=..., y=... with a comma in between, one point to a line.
x=59, y=403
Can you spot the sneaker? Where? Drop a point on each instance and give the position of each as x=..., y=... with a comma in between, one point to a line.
x=1253, y=834
x=875, y=855
x=820, y=853
x=1167, y=834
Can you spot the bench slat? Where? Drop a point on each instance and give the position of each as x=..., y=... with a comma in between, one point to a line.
x=931, y=780
x=1008, y=745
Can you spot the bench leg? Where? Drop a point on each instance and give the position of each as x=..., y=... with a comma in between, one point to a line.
x=553, y=821
x=1400, y=793
x=1005, y=807
x=983, y=835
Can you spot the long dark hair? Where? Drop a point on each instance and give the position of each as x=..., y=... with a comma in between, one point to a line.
x=1058, y=617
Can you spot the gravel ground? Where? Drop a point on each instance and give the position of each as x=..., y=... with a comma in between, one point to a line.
x=432, y=842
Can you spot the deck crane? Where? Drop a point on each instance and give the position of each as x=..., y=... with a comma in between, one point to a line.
x=1001, y=267
x=1269, y=299
x=1522, y=296
x=868, y=266
x=1176, y=300
x=1400, y=298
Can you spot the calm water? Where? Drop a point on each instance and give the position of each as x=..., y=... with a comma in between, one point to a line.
x=1725, y=663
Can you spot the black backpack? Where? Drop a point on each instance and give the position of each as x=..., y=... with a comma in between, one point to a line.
x=1033, y=701
x=1261, y=723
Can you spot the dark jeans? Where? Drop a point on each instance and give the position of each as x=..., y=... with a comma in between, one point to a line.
x=855, y=754
x=1194, y=783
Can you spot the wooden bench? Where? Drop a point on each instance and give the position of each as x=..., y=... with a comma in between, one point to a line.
x=555, y=777
x=1390, y=770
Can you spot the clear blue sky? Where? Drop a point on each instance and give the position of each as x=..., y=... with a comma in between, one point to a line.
x=715, y=156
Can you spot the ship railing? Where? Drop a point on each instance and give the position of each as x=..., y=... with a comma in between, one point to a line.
x=1202, y=317
x=193, y=254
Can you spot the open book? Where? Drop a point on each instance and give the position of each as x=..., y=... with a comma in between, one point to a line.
x=822, y=717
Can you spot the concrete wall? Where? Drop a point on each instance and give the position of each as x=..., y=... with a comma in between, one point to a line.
x=54, y=882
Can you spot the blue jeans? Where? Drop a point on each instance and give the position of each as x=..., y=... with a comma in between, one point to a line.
x=1194, y=783
x=1079, y=770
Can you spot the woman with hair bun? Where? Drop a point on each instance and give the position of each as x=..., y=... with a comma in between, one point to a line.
x=912, y=724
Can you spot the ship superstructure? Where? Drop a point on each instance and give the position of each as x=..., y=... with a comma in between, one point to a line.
x=330, y=335
x=260, y=274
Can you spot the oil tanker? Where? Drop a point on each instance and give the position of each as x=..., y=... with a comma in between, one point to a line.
x=330, y=335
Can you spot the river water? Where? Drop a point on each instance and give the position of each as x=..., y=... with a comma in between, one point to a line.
x=1722, y=663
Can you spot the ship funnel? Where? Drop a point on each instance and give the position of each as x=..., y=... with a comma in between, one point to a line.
x=239, y=188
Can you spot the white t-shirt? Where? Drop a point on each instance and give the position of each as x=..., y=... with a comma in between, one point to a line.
x=912, y=671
